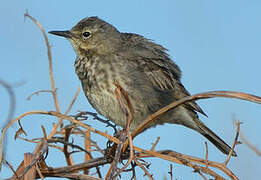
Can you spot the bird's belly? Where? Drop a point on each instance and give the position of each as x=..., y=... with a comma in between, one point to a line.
x=105, y=103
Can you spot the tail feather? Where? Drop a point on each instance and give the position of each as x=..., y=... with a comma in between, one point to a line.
x=214, y=139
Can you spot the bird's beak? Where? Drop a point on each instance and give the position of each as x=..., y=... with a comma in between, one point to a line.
x=66, y=34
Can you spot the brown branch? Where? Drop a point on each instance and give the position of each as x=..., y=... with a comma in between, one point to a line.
x=55, y=128
x=87, y=144
x=28, y=159
x=73, y=100
x=38, y=156
x=143, y=168
x=171, y=156
x=49, y=53
x=202, y=175
x=39, y=172
x=211, y=94
x=179, y=159
x=207, y=154
x=155, y=144
x=53, y=113
x=183, y=159
x=12, y=169
x=37, y=93
x=218, y=165
x=117, y=156
x=70, y=169
x=133, y=171
x=237, y=123
x=68, y=157
x=127, y=108
x=75, y=176
x=57, y=140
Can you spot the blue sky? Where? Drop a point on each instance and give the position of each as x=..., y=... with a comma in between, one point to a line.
x=215, y=43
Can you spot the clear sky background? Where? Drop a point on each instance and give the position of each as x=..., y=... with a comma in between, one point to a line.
x=217, y=45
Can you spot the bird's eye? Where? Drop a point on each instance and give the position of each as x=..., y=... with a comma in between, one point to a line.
x=86, y=34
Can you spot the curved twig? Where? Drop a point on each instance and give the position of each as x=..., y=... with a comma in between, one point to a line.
x=9, y=117
x=211, y=94
x=49, y=53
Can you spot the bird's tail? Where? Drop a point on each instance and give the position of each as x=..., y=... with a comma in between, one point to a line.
x=213, y=138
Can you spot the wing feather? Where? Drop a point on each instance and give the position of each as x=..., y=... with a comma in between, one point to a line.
x=161, y=71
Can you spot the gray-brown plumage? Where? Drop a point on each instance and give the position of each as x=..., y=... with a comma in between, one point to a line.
x=141, y=67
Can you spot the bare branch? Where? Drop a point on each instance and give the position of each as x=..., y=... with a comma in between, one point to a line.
x=171, y=171
x=37, y=93
x=207, y=154
x=9, y=118
x=68, y=157
x=81, y=116
x=49, y=53
x=237, y=123
x=211, y=94
x=155, y=144
x=144, y=169
x=250, y=145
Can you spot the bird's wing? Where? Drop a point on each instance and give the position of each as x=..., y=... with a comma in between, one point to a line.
x=165, y=75
x=161, y=71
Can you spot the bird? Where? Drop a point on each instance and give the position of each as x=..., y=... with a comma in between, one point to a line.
x=142, y=68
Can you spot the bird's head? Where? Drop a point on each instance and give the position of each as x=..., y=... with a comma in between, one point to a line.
x=92, y=35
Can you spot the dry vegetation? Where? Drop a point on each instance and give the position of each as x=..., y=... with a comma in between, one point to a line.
x=34, y=166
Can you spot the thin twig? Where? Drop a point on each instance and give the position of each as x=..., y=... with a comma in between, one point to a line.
x=207, y=154
x=39, y=172
x=250, y=145
x=68, y=157
x=57, y=140
x=202, y=175
x=9, y=118
x=12, y=169
x=73, y=100
x=237, y=123
x=186, y=160
x=76, y=176
x=116, y=159
x=133, y=171
x=126, y=106
x=55, y=128
x=37, y=93
x=53, y=113
x=49, y=53
x=171, y=171
x=144, y=169
x=154, y=144
x=81, y=116
x=87, y=144
x=77, y=167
